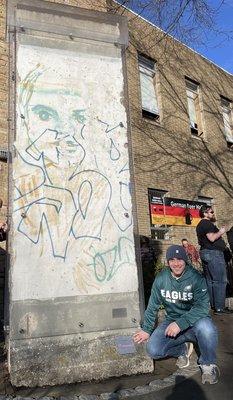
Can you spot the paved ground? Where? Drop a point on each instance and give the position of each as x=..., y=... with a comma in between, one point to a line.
x=166, y=383
x=192, y=388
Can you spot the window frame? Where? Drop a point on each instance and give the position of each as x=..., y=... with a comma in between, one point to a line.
x=196, y=126
x=205, y=199
x=227, y=108
x=147, y=67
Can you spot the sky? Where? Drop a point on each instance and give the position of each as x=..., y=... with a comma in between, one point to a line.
x=217, y=47
x=220, y=48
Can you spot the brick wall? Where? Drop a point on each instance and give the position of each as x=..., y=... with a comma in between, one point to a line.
x=166, y=155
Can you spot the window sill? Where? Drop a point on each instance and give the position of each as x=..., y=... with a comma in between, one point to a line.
x=149, y=115
x=150, y=121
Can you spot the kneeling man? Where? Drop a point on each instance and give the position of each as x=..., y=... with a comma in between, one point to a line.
x=182, y=291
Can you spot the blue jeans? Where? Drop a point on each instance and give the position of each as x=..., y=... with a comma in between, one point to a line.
x=203, y=332
x=214, y=268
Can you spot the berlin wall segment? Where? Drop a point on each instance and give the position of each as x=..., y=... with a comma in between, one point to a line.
x=74, y=301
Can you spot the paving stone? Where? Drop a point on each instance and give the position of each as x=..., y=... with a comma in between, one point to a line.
x=156, y=383
x=114, y=396
x=18, y=398
x=143, y=389
x=126, y=393
x=105, y=396
x=170, y=379
x=109, y=396
x=88, y=397
x=179, y=372
x=22, y=398
x=44, y=398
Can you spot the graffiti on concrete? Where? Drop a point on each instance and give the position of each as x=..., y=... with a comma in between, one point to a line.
x=71, y=180
x=107, y=263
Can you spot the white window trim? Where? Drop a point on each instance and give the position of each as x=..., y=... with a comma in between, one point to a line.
x=226, y=109
x=192, y=87
x=147, y=68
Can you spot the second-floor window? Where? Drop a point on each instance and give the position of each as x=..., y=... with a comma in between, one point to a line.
x=194, y=111
x=149, y=99
x=208, y=200
x=226, y=106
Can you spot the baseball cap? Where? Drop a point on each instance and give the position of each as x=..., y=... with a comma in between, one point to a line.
x=176, y=251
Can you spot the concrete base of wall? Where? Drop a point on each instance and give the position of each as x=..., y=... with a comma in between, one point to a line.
x=73, y=358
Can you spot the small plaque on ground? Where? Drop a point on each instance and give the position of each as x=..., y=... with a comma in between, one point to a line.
x=125, y=345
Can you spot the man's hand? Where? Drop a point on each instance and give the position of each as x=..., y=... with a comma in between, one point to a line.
x=172, y=330
x=140, y=337
x=3, y=226
x=212, y=236
x=222, y=230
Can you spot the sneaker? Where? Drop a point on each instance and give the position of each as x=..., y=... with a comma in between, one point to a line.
x=183, y=360
x=210, y=373
x=222, y=312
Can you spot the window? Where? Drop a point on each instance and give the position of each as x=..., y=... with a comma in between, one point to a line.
x=208, y=200
x=192, y=90
x=226, y=106
x=162, y=233
x=147, y=83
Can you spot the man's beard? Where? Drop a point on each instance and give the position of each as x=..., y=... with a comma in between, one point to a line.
x=213, y=218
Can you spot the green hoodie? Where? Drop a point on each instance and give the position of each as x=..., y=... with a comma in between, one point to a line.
x=185, y=299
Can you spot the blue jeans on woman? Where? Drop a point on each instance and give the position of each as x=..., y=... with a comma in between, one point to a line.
x=214, y=268
x=203, y=332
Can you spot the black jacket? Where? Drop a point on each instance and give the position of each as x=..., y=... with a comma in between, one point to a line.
x=2, y=235
x=230, y=238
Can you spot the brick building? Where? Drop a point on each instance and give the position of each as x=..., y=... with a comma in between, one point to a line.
x=180, y=136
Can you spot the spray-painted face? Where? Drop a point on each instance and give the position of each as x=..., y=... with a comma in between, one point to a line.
x=54, y=118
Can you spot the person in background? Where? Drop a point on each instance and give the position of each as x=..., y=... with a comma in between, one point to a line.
x=188, y=216
x=230, y=238
x=229, y=262
x=182, y=290
x=3, y=227
x=212, y=248
x=148, y=258
x=192, y=254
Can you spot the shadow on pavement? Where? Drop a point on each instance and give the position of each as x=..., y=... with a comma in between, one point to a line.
x=191, y=391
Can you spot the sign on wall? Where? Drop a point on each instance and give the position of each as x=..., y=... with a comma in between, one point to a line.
x=172, y=211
